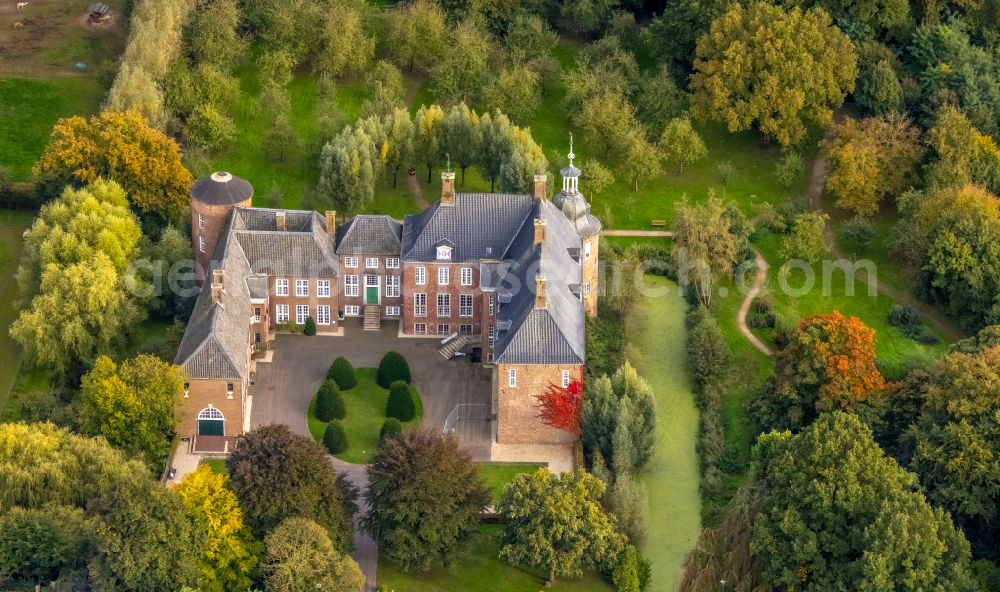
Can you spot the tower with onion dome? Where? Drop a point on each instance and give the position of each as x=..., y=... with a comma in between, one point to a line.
x=576, y=209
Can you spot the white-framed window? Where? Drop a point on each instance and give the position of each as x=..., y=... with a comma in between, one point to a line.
x=420, y=275
x=352, y=310
x=465, y=329
x=465, y=305
x=301, y=287
x=586, y=287
x=351, y=285
x=392, y=311
x=565, y=378
x=392, y=262
x=443, y=276
x=492, y=303
x=392, y=286
x=323, y=288
x=444, y=329
x=256, y=314
x=281, y=313
x=201, y=243
x=201, y=221
x=420, y=328
x=301, y=313
x=420, y=304
x=586, y=250
x=281, y=287
x=351, y=262
x=229, y=388
x=444, y=253
x=492, y=335
x=444, y=305
x=323, y=314
x=466, y=275
x=512, y=377
x=371, y=262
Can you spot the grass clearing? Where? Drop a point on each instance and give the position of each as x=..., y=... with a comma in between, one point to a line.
x=478, y=568
x=656, y=328
x=217, y=465
x=29, y=108
x=12, y=226
x=55, y=36
x=498, y=474
x=365, y=404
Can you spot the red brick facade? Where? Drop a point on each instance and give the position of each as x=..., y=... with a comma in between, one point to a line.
x=207, y=224
x=311, y=301
x=200, y=394
x=383, y=276
x=517, y=406
x=431, y=288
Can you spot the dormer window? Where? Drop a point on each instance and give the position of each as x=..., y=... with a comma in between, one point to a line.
x=444, y=253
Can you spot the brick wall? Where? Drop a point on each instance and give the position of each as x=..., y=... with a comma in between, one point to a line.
x=361, y=271
x=517, y=407
x=202, y=393
x=454, y=289
x=590, y=273
x=208, y=222
x=312, y=300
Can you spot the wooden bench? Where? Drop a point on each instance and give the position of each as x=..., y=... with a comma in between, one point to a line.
x=658, y=223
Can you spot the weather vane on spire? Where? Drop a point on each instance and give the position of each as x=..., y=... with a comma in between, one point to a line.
x=447, y=166
x=571, y=156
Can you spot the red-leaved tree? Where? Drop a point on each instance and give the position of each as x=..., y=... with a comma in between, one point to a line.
x=561, y=407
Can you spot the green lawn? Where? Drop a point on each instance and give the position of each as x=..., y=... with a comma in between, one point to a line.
x=656, y=328
x=217, y=465
x=29, y=108
x=478, y=568
x=12, y=225
x=365, y=405
x=497, y=475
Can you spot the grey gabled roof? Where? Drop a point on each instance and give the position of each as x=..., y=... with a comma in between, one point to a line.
x=304, y=248
x=480, y=225
x=553, y=334
x=369, y=235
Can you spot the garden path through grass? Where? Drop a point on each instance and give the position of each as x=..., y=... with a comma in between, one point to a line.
x=12, y=226
x=656, y=329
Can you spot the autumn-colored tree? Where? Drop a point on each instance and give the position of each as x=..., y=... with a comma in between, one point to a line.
x=123, y=148
x=561, y=407
x=870, y=159
x=230, y=552
x=704, y=248
x=828, y=364
x=782, y=69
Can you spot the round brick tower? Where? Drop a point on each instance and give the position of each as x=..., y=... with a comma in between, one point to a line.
x=212, y=199
x=576, y=209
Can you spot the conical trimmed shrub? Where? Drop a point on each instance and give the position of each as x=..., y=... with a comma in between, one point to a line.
x=329, y=402
x=335, y=438
x=390, y=429
x=400, y=404
x=310, y=328
x=343, y=372
x=393, y=367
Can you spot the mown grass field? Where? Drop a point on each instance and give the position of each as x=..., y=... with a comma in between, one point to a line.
x=365, y=404
x=12, y=226
x=656, y=330
x=478, y=568
x=29, y=108
x=497, y=475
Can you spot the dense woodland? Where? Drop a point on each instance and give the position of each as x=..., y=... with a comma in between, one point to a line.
x=858, y=478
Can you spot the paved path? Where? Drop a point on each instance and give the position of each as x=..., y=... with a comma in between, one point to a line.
x=417, y=191
x=664, y=233
x=741, y=316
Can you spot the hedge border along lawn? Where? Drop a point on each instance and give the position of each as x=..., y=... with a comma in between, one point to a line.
x=365, y=405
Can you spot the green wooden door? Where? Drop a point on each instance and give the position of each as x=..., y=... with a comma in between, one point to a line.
x=371, y=294
x=211, y=427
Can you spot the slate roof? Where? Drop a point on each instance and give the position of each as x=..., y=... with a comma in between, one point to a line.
x=369, y=235
x=575, y=208
x=222, y=189
x=479, y=225
x=553, y=334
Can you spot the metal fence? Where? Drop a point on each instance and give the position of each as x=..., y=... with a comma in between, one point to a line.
x=465, y=411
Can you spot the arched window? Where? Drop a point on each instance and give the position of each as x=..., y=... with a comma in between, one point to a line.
x=211, y=422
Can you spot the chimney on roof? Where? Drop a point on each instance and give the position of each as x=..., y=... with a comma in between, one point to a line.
x=218, y=276
x=539, y=291
x=331, y=224
x=216, y=293
x=541, y=187
x=279, y=221
x=447, y=188
x=539, y=232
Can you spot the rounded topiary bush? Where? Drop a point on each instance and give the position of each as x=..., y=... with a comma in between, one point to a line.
x=329, y=402
x=393, y=367
x=310, y=327
x=335, y=438
x=400, y=404
x=342, y=372
x=390, y=429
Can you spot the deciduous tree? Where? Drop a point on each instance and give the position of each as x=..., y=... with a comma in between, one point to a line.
x=704, y=248
x=561, y=407
x=622, y=401
x=806, y=240
x=417, y=34
x=347, y=46
x=680, y=144
x=300, y=556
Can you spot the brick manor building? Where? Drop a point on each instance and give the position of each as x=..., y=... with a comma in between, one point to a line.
x=505, y=278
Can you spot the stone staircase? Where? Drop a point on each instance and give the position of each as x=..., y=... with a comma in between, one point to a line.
x=372, y=318
x=454, y=345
